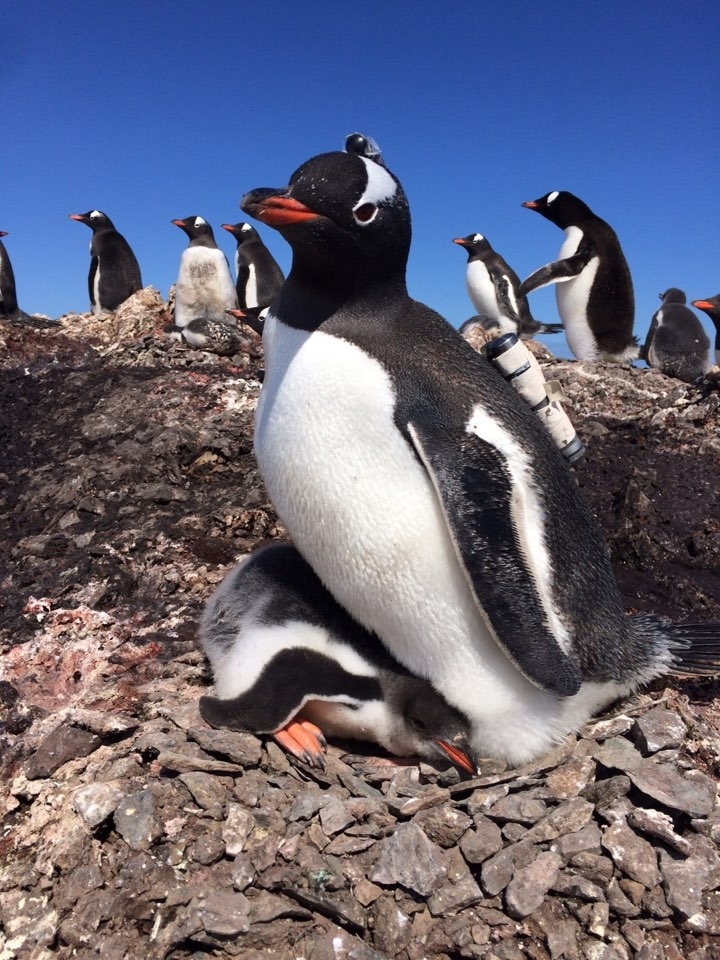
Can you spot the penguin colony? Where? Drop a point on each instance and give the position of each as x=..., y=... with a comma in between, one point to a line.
x=423, y=603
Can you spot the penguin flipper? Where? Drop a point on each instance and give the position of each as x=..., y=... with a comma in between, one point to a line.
x=505, y=293
x=94, y=261
x=559, y=271
x=476, y=491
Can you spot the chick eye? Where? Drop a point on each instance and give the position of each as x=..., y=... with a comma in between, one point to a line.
x=418, y=724
x=365, y=212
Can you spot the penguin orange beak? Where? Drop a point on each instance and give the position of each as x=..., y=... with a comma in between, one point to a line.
x=459, y=754
x=460, y=241
x=276, y=210
x=530, y=204
x=76, y=216
x=702, y=304
x=236, y=313
x=227, y=226
x=178, y=223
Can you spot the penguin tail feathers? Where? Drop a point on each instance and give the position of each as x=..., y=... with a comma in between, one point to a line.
x=222, y=713
x=695, y=649
x=551, y=328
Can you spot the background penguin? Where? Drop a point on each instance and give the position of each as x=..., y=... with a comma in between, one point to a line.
x=204, y=287
x=423, y=490
x=9, y=309
x=250, y=317
x=492, y=287
x=711, y=306
x=676, y=343
x=595, y=293
x=288, y=660
x=212, y=336
x=114, y=271
x=258, y=274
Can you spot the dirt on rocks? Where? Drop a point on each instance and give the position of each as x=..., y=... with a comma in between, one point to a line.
x=128, y=488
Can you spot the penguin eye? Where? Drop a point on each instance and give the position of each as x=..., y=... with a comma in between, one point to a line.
x=365, y=213
x=419, y=724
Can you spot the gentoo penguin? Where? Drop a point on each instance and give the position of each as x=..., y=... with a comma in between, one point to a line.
x=423, y=490
x=251, y=317
x=259, y=276
x=595, y=293
x=288, y=660
x=204, y=287
x=492, y=287
x=676, y=343
x=212, y=336
x=711, y=306
x=114, y=272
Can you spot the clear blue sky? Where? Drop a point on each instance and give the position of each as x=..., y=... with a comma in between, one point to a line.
x=155, y=110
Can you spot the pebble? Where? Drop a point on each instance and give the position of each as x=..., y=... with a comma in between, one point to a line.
x=96, y=802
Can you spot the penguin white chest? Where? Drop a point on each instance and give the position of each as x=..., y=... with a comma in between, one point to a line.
x=572, y=299
x=481, y=290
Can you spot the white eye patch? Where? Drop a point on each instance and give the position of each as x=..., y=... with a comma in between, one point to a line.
x=199, y=222
x=380, y=186
x=95, y=214
x=245, y=227
x=553, y=196
x=477, y=238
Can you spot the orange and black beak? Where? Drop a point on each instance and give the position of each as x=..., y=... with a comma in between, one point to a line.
x=275, y=208
x=530, y=204
x=459, y=753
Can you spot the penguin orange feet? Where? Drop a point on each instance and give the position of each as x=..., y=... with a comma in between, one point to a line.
x=303, y=740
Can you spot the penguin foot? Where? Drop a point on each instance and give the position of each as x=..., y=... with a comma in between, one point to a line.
x=303, y=740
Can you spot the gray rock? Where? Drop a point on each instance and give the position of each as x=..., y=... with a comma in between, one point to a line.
x=694, y=793
x=659, y=729
x=575, y=885
x=334, y=817
x=452, y=897
x=618, y=754
x=569, y=817
x=498, y=871
x=584, y=840
x=62, y=744
x=223, y=914
x=527, y=889
x=518, y=808
x=207, y=849
x=602, y=793
x=208, y=791
x=481, y=842
x=244, y=749
x=654, y=823
x=571, y=778
x=444, y=825
x=136, y=820
x=410, y=859
x=632, y=855
x=96, y=802
x=684, y=882
x=392, y=929
x=620, y=904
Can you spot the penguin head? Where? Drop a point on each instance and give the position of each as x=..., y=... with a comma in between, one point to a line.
x=474, y=243
x=710, y=306
x=561, y=208
x=243, y=232
x=4, y=233
x=95, y=219
x=345, y=217
x=673, y=295
x=426, y=724
x=198, y=230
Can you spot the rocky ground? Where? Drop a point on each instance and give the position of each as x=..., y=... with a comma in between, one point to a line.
x=127, y=489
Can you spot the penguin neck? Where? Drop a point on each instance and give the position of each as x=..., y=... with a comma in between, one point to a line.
x=305, y=305
x=203, y=241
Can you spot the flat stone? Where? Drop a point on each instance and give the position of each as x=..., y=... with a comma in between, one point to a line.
x=620, y=904
x=684, y=882
x=569, y=817
x=518, y=808
x=62, y=744
x=208, y=791
x=189, y=763
x=96, y=802
x=694, y=794
x=335, y=817
x=410, y=859
x=655, y=823
x=659, y=729
x=237, y=827
x=444, y=825
x=602, y=793
x=632, y=855
x=481, y=842
x=137, y=822
x=451, y=898
x=526, y=891
x=242, y=748
x=583, y=840
x=572, y=777
x=618, y=754
x=223, y=914
x=594, y=866
x=612, y=727
x=497, y=872
x=575, y=885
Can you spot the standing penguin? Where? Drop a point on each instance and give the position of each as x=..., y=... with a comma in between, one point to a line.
x=423, y=490
x=711, y=307
x=595, y=293
x=676, y=343
x=114, y=271
x=492, y=287
x=288, y=660
x=204, y=289
x=258, y=274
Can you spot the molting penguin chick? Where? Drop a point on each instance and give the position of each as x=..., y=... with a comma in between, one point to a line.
x=114, y=271
x=492, y=287
x=423, y=490
x=676, y=343
x=711, y=306
x=212, y=336
x=204, y=288
x=258, y=274
x=288, y=660
x=594, y=289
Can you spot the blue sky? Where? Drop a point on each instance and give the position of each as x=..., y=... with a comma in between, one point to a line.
x=154, y=111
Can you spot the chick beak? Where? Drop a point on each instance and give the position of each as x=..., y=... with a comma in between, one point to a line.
x=459, y=752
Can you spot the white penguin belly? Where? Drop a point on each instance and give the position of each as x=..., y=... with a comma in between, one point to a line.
x=204, y=286
x=572, y=300
x=364, y=513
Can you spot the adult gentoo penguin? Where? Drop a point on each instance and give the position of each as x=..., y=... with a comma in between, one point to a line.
x=595, y=293
x=288, y=660
x=258, y=274
x=676, y=343
x=204, y=287
x=711, y=306
x=492, y=287
x=114, y=271
x=424, y=491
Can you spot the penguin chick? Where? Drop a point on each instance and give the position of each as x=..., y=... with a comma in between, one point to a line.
x=204, y=287
x=594, y=290
x=492, y=287
x=284, y=653
x=114, y=271
x=711, y=307
x=425, y=493
x=212, y=336
x=258, y=274
x=676, y=343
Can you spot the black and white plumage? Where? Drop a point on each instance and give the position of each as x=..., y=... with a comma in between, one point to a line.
x=204, y=287
x=114, y=271
x=594, y=290
x=282, y=651
x=259, y=276
x=422, y=489
x=676, y=343
x=711, y=307
x=492, y=286
x=212, y=336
